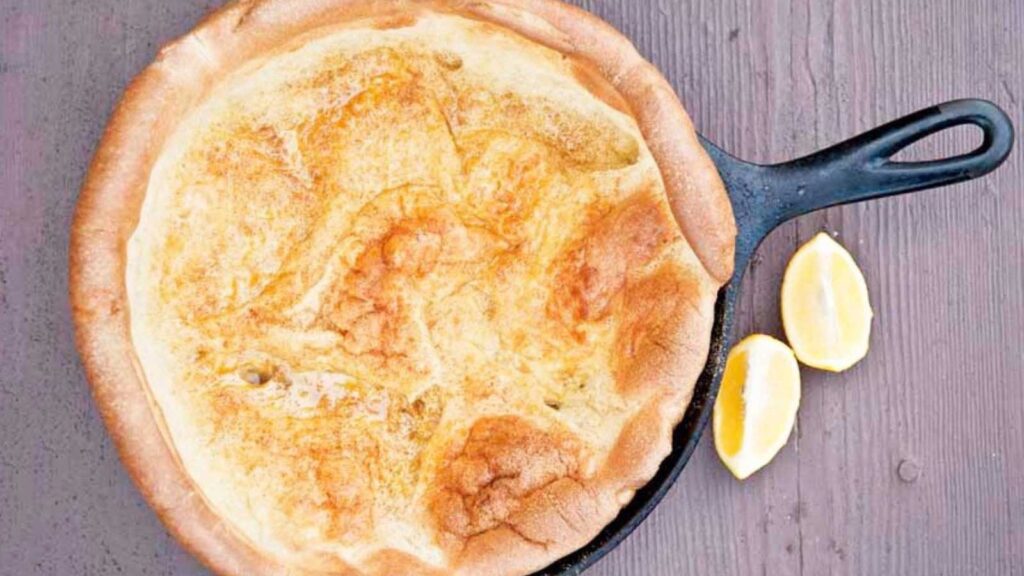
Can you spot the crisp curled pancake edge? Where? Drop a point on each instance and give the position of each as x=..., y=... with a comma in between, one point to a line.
x=407, y=295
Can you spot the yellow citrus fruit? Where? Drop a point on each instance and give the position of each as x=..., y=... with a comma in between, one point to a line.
x=757, y=404
x=825, y=308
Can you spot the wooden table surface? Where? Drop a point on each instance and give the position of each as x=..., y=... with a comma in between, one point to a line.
x=910, y=463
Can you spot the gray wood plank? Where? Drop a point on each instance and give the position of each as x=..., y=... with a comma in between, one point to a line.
x=942, y=389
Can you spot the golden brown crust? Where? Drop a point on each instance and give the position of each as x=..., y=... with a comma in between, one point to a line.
x=542, y=509
x=510, y=491
x=596, y=271
x=654, y=341
x=696, y=192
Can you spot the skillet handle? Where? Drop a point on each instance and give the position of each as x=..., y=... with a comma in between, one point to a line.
x=858, y=169
x=862, y=168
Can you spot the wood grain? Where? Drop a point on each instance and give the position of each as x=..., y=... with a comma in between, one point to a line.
x=942, y=389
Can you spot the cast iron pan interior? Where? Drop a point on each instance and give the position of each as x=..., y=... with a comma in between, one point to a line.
x=764, y=197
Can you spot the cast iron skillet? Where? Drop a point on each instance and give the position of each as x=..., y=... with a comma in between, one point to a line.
x=764, y=197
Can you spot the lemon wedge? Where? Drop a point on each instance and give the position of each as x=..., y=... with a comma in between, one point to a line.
x=756, y=405
x=825, y=308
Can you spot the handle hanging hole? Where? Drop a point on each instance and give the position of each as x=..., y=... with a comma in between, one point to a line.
x=953, y=141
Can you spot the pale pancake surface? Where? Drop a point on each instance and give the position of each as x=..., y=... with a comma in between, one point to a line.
x=399, y=293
